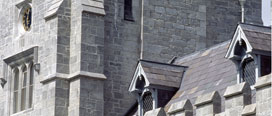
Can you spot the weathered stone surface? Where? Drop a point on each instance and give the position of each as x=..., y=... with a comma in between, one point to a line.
x=156, y=112
x=249, y=110
x=208, y=104
x=237, y=89
x=236, y=97
x=263, y=81
x=184, y=105
x=263, y=96
x=212, y=97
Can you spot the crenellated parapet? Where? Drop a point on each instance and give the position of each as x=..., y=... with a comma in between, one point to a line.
x=208, y=104
x=184, y=108
x=237, y=98
x=263, y=96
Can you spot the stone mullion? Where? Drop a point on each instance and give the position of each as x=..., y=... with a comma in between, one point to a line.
x=27, y=85
x=140, y=106
x=155, y=98
x=12, y=89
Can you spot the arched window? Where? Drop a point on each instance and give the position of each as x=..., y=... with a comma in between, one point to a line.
x=248, y=71
x=15, y=90
x=23, y=83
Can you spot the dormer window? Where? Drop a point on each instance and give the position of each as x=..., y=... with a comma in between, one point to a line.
x=154, y=84
x=250, y=51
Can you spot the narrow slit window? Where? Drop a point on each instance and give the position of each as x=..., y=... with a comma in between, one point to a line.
x=128, y=10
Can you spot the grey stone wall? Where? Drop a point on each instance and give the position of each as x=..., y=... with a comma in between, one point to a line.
x=73, y=39
x=121, y=55
x=43, y=34
x=192, y=24
x=86, y=97
x=171, y=28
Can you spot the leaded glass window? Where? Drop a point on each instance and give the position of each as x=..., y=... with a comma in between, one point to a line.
x=248, y=71
x=147, y=102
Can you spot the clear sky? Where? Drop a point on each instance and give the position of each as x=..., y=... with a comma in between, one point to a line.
x=266, y=15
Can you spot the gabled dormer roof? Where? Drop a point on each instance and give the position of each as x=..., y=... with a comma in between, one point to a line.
x=156, y=75
x=255, y=39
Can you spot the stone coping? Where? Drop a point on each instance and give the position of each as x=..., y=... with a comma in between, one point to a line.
x=236, y=89
x=249, y=110
x=220, y=114
x=74, y=76
x=156, y=112
x=53, y=9
x=20, y=54
x=93, y=6
x=180, y=106
x=263, y=81
x=207, y=98
x=21, y=2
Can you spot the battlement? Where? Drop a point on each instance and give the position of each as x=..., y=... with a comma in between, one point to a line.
x=237, y=102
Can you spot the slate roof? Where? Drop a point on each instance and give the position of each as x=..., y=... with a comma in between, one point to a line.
x=162, y=74
x=259, y=37
x=208, y=71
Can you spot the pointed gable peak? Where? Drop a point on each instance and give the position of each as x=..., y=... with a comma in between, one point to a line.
x=249, y=39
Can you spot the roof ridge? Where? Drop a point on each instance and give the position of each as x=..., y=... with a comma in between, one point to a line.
x=256, y=25
x=162, y=63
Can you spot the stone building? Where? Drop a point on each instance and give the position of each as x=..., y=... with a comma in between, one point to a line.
x=232, y=78
x=78, y=57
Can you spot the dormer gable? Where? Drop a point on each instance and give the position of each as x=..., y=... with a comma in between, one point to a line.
x=250, y=50
x=154, y=84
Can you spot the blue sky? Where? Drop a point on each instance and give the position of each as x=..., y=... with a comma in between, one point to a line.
x=266, y=15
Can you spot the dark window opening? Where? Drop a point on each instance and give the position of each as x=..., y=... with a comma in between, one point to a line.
x=147, y=102
x=248, y=71
x=240, y=48
x=164, y=96
x=265, y=65
x=128, y=10
x=140, y=83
